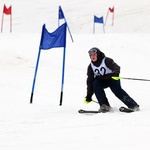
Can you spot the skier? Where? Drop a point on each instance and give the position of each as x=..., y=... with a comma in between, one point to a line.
x=99, y=76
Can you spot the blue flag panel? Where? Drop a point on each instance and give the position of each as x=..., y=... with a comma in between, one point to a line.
x=98, y=20
x=61, y=14
x=54, y=39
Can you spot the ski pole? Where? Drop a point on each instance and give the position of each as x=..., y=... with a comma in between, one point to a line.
x=94, y=101
x=89, y=102
x=119, y=78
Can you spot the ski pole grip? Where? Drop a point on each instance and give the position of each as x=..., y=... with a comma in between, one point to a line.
x=116, y=78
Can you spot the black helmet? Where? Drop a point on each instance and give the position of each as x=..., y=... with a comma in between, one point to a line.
x=94, y=50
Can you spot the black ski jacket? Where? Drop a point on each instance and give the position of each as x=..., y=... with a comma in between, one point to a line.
x=91, y=76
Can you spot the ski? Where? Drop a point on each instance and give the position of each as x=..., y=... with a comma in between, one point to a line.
x=121, y=109
x=81, y=111
x=126, y=110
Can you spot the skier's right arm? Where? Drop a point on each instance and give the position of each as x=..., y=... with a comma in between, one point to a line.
x=89, y=81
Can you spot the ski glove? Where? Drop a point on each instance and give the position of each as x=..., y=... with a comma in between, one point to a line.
x=87, y=99
x=108, y=76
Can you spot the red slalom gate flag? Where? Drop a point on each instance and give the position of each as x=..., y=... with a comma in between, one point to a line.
x=6, y=10
x=111, y=9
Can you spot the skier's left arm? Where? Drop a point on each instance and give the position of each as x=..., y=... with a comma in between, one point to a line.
x=113, y=66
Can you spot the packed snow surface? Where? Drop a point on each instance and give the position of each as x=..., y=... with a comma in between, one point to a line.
x=44, y=125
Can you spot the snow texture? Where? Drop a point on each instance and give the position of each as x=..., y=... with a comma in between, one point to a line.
x=45, y=125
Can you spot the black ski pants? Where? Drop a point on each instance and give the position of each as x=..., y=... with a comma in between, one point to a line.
x=99, y=85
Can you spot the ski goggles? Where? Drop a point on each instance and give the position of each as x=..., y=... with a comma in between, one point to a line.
x=92, y=51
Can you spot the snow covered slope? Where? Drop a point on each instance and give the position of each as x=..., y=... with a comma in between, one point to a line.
x=44, y=124
x=129, y=16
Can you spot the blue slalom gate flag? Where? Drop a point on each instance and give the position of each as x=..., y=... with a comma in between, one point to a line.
x=54, y=39
x=51, y=40
x=61, y=14
x=98, y=20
